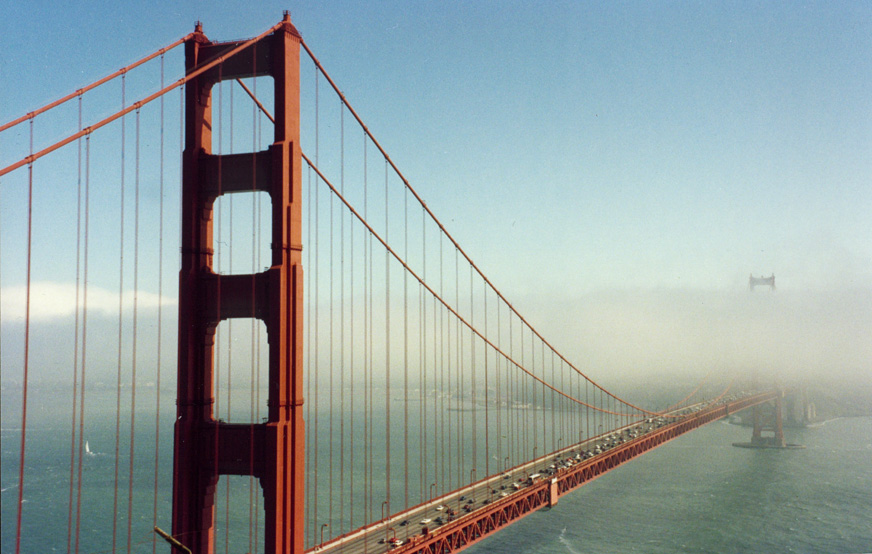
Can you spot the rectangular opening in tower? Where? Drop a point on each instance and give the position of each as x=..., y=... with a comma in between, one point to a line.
x=239, y=124
x=242, y=233
x=241, y=371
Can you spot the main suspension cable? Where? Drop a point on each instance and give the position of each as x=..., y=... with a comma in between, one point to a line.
x=444, y=303
x=95, y=84
x=192, y=75
x=405, y=181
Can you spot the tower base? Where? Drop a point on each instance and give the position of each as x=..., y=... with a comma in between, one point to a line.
x=773, y=446
x=767, y=419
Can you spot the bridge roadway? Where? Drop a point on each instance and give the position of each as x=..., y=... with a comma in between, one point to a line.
x=451, y=522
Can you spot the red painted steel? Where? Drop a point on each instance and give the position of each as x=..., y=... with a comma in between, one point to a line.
x=467, y=530
x=95, y=84
x=272, y=451
x=598, y=465
x=240, y=46
x=767, y=419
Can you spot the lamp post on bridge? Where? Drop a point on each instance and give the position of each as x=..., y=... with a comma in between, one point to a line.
x=386, y=504
x=387, y=519
x=323, y=526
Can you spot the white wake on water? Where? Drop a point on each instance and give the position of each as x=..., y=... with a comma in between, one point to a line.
x=564, y=542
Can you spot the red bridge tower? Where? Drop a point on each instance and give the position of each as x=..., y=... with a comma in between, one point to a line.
x=271, y=451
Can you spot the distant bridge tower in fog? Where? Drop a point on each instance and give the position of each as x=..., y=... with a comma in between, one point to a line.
x=765, y=281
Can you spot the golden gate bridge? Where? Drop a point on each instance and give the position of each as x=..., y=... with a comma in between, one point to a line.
x=389, y=397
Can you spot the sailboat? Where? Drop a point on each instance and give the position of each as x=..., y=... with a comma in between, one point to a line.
x=88, y=449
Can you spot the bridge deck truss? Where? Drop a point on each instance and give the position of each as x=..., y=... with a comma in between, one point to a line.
x=473, y=527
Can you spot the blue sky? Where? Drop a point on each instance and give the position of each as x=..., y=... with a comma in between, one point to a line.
x=674, y=144
x=577, y=149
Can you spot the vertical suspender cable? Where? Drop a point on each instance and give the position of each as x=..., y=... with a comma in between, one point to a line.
x=26, y=349
x=525, y=448
x=229, y=270
x=532, y=418
x=84, y=338
x=560, y=400
x=159, y=308
x=255, y=267
x=317, y=275
x=521, y=415
x=220, y=254
x=310, y=500
x=134, y=344
x=76, y=334
x=422, y=370
x=445, y=343
x=181, y=161
x=312, y=415
x=536, y=419
x=553, y=412
x=544, y=428
x=219, y=268
x=254, y=498
x=332, y=372
x=341, y=322
x=499, y=392
x=575, y=418
x=350, y=363
x=370, y=348
x=437, y=429
x=317, y=304
x=611, y=407
x=507, y=392
x=458, y=351
x=120, y=329
x=387, y=355
x=309, y=374
x=367, y=443
x=587, y=408
x=511, y=393
x=438, y=347
x=406, y=350
x=582, y=421
x=486, y=394
x=603, y=410
x=230, y=335
x=472, y=371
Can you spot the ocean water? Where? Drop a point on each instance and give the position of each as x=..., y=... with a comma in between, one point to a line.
x=695, y=494
x=698, y=494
